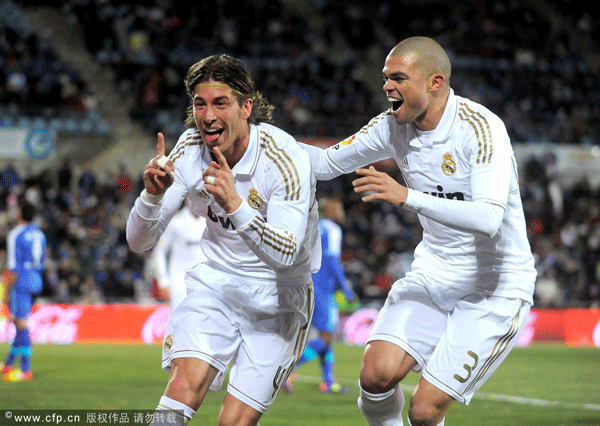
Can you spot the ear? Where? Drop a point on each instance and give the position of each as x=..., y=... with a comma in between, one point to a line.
x=247, y=108
x=437, y=82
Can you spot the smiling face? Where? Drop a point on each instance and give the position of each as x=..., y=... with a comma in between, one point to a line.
x=416, y=81
x=405, y=86
x=220, y=118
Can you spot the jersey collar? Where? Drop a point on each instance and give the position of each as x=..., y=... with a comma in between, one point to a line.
x=440, y=133
x=248, y=162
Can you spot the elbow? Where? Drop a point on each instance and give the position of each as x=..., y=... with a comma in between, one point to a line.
x=284, y=263
x=494, y=215
x=492, y=228
x=281, y=263
x=135, y=245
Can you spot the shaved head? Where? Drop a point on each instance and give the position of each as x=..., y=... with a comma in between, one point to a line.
x=429, y=55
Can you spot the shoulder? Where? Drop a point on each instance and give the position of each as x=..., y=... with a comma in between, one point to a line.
x=384, y=120
x=329, y=225
x=14, y=233
x=477, y=117
x=189, y=141
x=484, y=130
x=279, y=146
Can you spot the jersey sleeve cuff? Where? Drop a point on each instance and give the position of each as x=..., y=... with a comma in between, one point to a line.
x=413, y=200
x=242, y=216
x=149, y=205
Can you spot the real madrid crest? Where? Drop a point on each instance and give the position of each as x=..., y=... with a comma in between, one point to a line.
x=168, y=343
x=448, y=165
x=254, y=200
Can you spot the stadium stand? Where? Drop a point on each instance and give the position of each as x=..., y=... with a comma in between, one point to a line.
x=530, y=62
x=37, y=89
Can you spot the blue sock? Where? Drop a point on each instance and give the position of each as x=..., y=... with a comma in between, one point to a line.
x=313, y=348
x=327, y=360
x=10, y=358
x=22, y=346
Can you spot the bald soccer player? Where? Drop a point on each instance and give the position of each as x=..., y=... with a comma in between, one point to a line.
x=459, y=311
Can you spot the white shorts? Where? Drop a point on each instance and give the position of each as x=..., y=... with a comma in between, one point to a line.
x=457, y=348
x=262, y=324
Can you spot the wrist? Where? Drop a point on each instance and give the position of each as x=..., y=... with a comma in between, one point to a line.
x=151, y=198
x=233, y=205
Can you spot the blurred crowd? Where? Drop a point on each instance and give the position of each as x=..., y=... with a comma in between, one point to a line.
x=319, y=62
x=37, y=88
x=89, y=261
x=83, y=217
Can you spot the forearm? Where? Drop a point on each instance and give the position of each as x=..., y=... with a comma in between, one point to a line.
x=149, y=218
x=277, y=246
x=142, y=225
x=479, y=217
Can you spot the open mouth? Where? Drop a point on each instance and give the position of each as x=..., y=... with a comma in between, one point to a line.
x=396, y=103
x=212, y=135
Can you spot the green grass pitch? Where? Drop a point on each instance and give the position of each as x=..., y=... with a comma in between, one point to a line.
x=547, y=385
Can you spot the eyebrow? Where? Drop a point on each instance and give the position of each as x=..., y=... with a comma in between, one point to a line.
x=218, y=98
x=395, y=75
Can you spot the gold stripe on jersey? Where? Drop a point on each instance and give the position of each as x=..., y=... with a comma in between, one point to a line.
x=482, y=130
x=499, y=347
x=285, y=165
x=281, y=158
x=283, y=244
x=374, y=121
x=192, y=139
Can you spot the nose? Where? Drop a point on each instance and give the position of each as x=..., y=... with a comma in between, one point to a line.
x=387, y=86
x=209, y=115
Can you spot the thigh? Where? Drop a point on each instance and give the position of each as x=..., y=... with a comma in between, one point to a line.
x=272, y=343
x=202, y=327
x=21, y=304
x=481, y=332
x=411, y=320
x=325, y=316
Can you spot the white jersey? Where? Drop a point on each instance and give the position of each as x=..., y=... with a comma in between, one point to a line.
x=468, y=157
x=274, y=232
x=177, y=251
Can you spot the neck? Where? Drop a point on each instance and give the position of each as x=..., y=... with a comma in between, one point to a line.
x=433, y=115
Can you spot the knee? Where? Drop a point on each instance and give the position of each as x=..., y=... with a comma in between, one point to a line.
x=182, y=388
x=234, y=416
x=377, y=378
x=424, y=413
x=228, y=419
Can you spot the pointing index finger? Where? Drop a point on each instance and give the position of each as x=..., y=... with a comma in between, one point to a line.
x=160, y=145
x=221, y=159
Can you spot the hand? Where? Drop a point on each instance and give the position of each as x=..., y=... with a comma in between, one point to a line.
x=385, y=188
x=157, y=179
x=219, y=181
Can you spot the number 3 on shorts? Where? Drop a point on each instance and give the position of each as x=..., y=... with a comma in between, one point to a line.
x=468, y=367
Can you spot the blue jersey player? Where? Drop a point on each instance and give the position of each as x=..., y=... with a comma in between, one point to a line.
x=26, y=252
x=326, y=281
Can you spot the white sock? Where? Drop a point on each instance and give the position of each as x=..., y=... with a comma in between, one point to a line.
x=384, y=409
x=172, y=413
